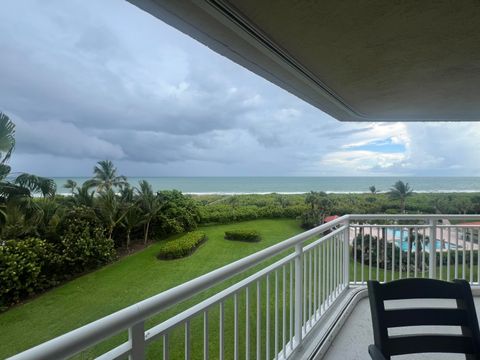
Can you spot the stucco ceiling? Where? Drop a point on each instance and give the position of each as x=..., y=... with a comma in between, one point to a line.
x=356, y=60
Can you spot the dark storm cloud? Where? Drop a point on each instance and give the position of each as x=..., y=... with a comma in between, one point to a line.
x=88, y=80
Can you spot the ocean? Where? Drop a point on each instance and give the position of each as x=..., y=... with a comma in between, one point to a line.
x=295, y=185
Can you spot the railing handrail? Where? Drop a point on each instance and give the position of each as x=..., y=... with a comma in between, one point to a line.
x=353, y=217
x=90, y=334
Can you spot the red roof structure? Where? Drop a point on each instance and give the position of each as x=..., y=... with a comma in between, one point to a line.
x=330, y=218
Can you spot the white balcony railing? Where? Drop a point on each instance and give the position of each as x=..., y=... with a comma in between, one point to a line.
x=275, y=309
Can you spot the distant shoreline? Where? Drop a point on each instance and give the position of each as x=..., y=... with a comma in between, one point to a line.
x=295, y=185
x=232, y=193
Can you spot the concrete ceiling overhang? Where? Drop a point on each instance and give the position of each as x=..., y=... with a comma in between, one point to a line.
x=357, y=60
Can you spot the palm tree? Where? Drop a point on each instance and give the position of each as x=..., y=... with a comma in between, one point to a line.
x=83, y=195
x=70, y=184
x=373, y=189
x=110, y=210
x=149, y=205
x=34, y=183
x=7, y=137
x=105, y=176
x=133, y=218
x=400, y=191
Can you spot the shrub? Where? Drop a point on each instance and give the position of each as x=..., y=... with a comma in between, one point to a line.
x=86, y=249
x=26, y=267
x=181, y=247
x=243, y=235
x=83, y=243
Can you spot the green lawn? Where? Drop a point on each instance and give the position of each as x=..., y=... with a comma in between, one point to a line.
x=125, y=282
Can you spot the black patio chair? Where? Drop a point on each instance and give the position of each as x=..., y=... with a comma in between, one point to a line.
x=463, y=315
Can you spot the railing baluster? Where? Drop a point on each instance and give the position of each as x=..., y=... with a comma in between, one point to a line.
x=235, y=327
x=456, y=253
x=291, y=306
x=441, y=254
x=449, y=236
x=417, y=249
x=339, y=264
x=409, y=250
x=393, y=254
x=315, y=280
x=478, y=256
x=324, y=275
x=378, y=254
x=471, y=255
x=423, y=252
x=464, y=276
x=400, y=262
x=267, y=317
x=166, y=353
x=370, y=254
x=310, y=287
x=355, y=255
x=385, y=235
x=276, y=314
x=136, y=335
x=187, y=340
x=337, y=267
x=284, y=309
x=362, y=231
x=346, y=255
x=205, y=335
x=221, y=342
x=298, y=294
x=247, y=323
x=259, y=321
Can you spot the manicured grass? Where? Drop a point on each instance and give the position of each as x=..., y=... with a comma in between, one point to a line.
x=126, y=282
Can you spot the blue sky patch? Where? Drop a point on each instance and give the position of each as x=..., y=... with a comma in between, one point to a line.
x=381, y=146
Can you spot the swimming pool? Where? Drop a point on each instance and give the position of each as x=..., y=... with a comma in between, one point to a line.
x=404, y=243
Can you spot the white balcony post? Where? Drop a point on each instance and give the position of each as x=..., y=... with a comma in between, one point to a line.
x=298, y=293
x=346, y=255
x=136, y=335
x=432, y=260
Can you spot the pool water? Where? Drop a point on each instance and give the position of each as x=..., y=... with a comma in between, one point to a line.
x=404, y=242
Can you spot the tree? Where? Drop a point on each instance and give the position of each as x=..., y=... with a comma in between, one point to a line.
x=149, y=205
x=400, y=191
x=320, y=207
x=70, y=184
x=110, y=210
x=83, y=196
x=105, y=176
x=7, y=138
x=133, y=218
x=37, y=184
x=373, y=189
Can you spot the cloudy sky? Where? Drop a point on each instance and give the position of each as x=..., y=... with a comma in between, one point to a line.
x=92, y=80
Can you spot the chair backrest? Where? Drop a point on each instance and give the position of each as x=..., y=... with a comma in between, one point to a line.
x=463, y=315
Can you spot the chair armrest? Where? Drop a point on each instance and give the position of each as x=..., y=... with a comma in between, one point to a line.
x=375, y=353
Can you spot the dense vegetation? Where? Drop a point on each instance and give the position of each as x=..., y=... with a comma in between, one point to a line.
x=247, y=235
x=312, y=208
x=46, y=239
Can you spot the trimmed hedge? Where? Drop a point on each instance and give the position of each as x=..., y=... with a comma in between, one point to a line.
x=183, y=246
x=243, y=235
